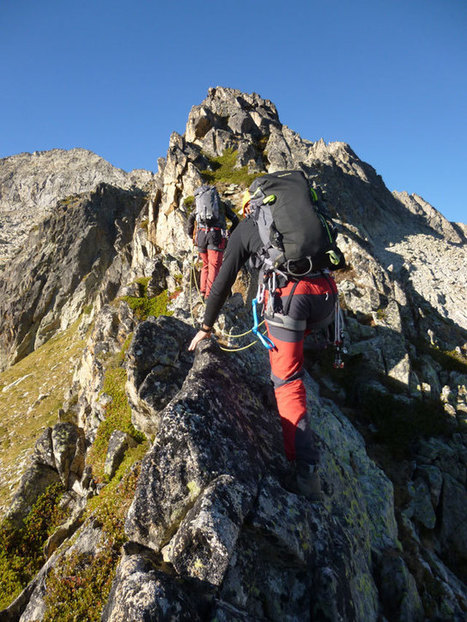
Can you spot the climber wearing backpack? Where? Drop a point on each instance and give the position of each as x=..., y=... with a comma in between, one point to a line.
x=210, y=235
x=292, y=242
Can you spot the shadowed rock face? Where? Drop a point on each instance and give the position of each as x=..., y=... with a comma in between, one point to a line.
x=32, y=183
x=62, y=268
x=158, y=362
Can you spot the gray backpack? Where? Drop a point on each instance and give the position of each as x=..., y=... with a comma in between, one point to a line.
x=207, y=205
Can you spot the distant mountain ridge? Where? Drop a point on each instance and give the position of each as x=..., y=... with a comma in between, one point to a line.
x=32, y=183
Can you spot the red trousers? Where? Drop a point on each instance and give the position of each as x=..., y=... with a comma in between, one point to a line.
x=212, y=261
x=312, y=306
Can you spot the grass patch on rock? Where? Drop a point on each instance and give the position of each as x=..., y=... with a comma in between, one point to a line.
x=78, y=588
x=118, y=417
x=224, y=170
x=31, y=392
x=143, y=306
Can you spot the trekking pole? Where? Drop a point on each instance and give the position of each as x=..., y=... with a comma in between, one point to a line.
x=338, y=337
x=193, y=278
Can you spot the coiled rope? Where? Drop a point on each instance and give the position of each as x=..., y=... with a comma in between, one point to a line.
x=224, y=334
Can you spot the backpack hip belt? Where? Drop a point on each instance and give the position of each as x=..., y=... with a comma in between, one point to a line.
x=207, y=229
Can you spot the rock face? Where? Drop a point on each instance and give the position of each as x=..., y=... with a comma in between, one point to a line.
x=62, y=267
x=219, y=513
x=32, y=183
x=209, y=526
x=59, y=455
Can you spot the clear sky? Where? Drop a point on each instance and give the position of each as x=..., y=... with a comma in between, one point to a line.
x=389, y=77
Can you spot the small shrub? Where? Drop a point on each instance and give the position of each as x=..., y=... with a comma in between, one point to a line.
x=79, y=588
x=22, y=556
x=381, y=314
x=189, y=204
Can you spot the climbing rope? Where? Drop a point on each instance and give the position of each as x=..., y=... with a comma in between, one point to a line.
x=238, y=349
x=223, y=333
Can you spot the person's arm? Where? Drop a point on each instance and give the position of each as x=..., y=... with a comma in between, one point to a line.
x=232, y=216
x=190, y=225
x=243, y=242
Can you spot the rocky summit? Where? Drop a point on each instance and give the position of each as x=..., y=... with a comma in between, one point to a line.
x=140, y=481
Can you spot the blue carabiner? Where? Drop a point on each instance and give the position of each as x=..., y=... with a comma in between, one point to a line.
x=267, y=343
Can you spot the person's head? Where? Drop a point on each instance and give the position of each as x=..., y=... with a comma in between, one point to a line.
x=246, y=203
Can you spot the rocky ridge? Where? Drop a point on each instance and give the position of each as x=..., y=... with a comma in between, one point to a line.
x=209, y=529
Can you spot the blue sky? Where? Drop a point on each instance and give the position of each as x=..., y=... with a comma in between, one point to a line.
x=389, y=77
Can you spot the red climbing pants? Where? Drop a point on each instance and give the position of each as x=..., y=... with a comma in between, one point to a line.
x=311, y=306
x=212, y=261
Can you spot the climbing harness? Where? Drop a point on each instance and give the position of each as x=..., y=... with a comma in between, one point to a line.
x=206, y=229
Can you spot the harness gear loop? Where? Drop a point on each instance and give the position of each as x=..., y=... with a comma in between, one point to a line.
x=299, y=274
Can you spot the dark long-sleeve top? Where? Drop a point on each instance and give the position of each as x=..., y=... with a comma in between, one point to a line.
x=228, y=213
x=244, y=242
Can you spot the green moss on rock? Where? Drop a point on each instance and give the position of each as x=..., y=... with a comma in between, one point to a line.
x=143, y=307
x=223, y=170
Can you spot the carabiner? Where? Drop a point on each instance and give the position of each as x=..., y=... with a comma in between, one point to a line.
x=260, y=293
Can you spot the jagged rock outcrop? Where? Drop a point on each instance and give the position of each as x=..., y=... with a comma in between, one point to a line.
x=211, y=530
x=59, y=456
x=32, y=183
x=210, y=501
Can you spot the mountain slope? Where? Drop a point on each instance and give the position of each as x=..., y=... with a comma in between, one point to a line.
x=176, y=504
x=32, y=183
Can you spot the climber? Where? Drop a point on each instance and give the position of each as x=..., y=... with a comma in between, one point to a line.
x=211, y=232
x=293, y=305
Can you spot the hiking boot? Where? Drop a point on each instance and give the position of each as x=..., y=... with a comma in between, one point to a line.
x=303, y=479
x=308, y=482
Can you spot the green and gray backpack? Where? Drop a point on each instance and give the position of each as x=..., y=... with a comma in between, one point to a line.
x=298, y=237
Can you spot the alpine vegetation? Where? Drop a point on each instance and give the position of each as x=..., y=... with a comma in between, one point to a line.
x=144, y=480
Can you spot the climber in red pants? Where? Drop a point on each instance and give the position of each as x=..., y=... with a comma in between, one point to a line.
x=292, y=242
x=210, y=237
x=311, y=306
